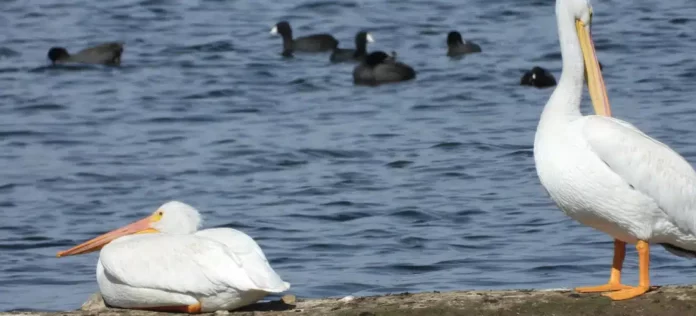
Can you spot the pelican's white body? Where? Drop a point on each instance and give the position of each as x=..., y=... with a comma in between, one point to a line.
x=221, y=268
x=604, y=172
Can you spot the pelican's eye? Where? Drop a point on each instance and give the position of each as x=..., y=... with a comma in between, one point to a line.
x=157, y=216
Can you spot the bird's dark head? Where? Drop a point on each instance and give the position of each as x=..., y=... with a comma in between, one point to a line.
x=364, y=37
x=376, y=58
x=361, y=40
x=454, y=38
x=282, y=28
x=57, y=53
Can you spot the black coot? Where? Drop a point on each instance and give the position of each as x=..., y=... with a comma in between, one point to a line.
x=357, y=54
x=310, y=44
x=538, y=77
x=542, y=78
x=378, y=68
x=456, y=46
x=105, y=54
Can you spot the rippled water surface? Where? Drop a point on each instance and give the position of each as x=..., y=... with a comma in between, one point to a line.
x=418, y=186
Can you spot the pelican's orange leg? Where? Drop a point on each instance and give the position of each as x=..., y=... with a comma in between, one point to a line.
x=643, y=278
x=190, y=309
x=615, y=277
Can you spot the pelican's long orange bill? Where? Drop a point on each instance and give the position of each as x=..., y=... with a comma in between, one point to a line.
x=141, y=226
x=595, y=81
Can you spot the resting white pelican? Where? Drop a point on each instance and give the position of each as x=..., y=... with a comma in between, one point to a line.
x=163, y=263
x=604, y=172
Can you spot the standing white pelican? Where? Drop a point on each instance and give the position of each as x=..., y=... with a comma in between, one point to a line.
x=163, y=263
x=604, y=172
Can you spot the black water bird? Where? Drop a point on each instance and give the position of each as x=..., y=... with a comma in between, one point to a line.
x=379, y=68
x=357, y=54
x=104, y=54
x=542, y=78
x=309, y=44
x=538, y=77
x=456, y=46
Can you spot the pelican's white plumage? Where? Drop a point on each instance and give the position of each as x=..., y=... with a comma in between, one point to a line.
x=219, y=269
x=609, y=175
x=604, y=172
x=653, y=169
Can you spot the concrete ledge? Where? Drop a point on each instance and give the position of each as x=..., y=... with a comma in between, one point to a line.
x=663, y=301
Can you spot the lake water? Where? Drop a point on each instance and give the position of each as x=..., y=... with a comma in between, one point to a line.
x=419, y=186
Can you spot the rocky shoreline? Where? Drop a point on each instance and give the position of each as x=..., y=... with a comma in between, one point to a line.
x=662, y=301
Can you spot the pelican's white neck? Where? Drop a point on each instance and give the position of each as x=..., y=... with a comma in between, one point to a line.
x=565, y=100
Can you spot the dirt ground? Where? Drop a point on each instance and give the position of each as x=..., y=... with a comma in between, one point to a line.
x=664, y=301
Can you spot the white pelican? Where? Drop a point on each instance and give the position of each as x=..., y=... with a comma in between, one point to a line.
x=163, y=263
x=604, y=172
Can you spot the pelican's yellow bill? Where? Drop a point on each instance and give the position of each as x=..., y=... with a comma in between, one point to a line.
x=595, y=81
x=140, y=227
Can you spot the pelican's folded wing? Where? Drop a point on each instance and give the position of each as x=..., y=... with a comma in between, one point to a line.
x=179, y=263
x=252, y=257
x=647, y=165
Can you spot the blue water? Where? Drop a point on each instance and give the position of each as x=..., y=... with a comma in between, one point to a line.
x=423, y=185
